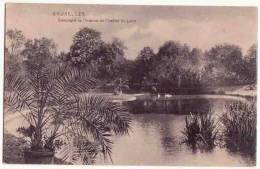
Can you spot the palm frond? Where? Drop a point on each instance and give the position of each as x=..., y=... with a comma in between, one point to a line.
x=110, y=114
x=55, y=97
x=80, y=150
x=97, y=119
x=18, y=93
x=74, y=81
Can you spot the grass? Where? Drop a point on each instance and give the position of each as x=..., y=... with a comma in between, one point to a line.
x=239, y=128
x=200, y=131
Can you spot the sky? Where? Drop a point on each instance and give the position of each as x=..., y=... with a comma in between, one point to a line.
x=201, y=27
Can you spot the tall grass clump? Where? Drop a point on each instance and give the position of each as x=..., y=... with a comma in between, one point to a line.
x=239, y=130
x=200, y=131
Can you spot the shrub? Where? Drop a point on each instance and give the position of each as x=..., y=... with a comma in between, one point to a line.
x=200, y=131
x=239, y=124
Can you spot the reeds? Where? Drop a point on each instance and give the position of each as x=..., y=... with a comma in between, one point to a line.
x=200, y=130
x=239, y=127
x=237, y=134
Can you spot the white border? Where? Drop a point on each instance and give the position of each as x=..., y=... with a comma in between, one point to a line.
x=149, y=2
x=126, y=2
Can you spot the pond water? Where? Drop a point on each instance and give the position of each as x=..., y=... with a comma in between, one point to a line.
x=156, y=135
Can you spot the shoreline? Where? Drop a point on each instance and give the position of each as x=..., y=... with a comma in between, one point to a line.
x=131, y=97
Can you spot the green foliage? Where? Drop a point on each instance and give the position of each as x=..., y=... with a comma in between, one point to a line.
x=239, y=124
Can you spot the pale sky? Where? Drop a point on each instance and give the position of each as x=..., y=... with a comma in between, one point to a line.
x=201, y=27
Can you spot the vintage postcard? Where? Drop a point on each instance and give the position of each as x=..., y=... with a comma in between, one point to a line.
x=130, y=85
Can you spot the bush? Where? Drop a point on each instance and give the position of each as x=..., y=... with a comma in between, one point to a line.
x=239, y=124
x=200, y=131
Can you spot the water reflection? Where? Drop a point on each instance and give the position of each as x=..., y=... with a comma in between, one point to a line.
x=156, y=136
x=169, y=106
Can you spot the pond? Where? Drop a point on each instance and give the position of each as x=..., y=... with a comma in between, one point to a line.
x=156, y=135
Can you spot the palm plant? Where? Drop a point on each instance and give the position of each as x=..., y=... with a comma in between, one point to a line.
x=56, y=107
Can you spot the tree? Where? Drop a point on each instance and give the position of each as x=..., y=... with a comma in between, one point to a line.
x=58, y=106
x=142, y=67
x=174, y=50
x=172, y=62
x=119, y=48
x=109, y=58
x=86, y=44
x=39, y=52
x=225, y=64
x=14, y=41
x=250, y=62
x=145, y=56
x=89, y=51
x=196, y=57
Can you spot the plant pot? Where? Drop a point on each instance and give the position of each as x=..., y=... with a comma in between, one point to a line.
x=38, y=157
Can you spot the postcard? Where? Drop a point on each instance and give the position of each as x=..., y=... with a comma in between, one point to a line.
x=98, y=84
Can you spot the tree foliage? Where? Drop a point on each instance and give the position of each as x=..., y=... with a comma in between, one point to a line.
x=13, y=46
x=225, y=64
x=250, y=64
x=53, y=100
x=142, y=67
x=14, y=41
x=176, y=65
x=89, y=51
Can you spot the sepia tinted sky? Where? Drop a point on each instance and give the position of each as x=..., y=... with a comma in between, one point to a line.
x=201, y=27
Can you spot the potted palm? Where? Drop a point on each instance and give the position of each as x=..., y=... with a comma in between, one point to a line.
x=59, y=112
x=58, y=109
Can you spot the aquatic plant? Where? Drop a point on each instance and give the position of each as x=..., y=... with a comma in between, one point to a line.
x=200, y=131
x=239, y=127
